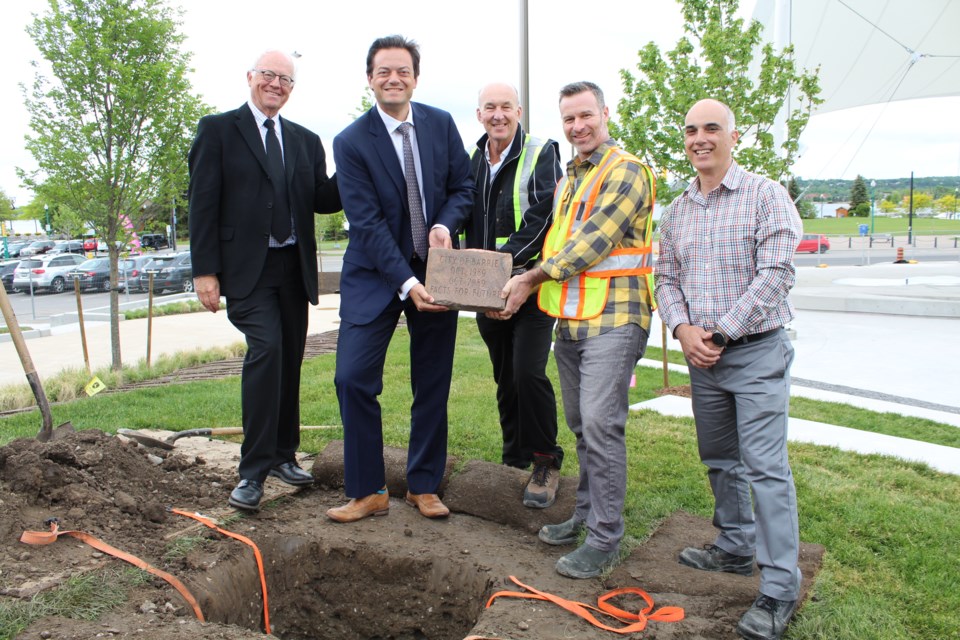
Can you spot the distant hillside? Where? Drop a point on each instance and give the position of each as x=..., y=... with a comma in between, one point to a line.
x=839, y=190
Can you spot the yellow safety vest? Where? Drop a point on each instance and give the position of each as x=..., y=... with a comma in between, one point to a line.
x=526, y=165
x=585, y=295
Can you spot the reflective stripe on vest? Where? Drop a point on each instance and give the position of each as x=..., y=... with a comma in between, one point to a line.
x=585, y=295
x=527, y=164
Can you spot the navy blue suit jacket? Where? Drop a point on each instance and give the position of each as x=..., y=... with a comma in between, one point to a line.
x=374, y=195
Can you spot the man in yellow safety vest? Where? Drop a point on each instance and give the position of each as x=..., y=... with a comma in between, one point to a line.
x=594, y=279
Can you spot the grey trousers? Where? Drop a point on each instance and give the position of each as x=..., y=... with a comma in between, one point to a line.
x=741, y=406
x=594, y=378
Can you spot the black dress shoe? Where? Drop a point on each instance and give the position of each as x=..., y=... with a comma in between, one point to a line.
x=291, y=473
x=247, y=495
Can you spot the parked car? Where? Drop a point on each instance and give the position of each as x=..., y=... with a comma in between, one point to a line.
x=6, y=275
x=170, y=272
x=46, y=272
x=36, y=248
x=13, y=248
x=130, y=272
x=68, y=246
x=814, y=243
x=94, y=274
x=154, y=241
x=90, y=244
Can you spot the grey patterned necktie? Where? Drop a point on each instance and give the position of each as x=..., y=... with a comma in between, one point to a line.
x=418, y=226
x=280, y=224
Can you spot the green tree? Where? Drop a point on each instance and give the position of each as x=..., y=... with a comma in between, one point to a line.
x=112, y=127
x=804, y=207
x=921, y=200
x=7, y=210
x=946, y=204
x=713, y=60
x=858, y=193
x=886, y=206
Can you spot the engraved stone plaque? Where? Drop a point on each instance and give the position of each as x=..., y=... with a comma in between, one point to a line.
x=468, y=279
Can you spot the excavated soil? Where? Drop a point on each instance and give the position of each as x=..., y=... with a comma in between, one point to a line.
x=400, y=577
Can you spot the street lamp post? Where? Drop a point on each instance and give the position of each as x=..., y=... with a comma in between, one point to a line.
x=873, y=200
x=46, y=214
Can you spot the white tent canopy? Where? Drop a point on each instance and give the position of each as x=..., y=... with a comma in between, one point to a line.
x=870, y=51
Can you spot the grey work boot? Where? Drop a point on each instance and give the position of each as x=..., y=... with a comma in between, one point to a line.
x=713, y=558
x=767, y=619
x=587, y=562
x=564, y=533
x=541, y=489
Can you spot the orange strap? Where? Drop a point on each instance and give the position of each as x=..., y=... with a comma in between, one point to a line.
x=256, y=553
x=49, y=537
x=635, y=621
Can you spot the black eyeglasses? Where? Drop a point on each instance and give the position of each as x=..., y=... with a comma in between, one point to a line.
x=285, y=81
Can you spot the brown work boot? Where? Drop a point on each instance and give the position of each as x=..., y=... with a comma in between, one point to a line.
x=541, y=490
x=428, y=504
x=375, y=504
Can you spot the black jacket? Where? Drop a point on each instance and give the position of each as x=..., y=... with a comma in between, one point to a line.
x=493, y=214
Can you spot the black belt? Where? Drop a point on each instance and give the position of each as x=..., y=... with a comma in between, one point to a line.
x=753, y=337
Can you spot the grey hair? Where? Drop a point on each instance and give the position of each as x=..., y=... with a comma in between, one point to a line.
x=574, y=88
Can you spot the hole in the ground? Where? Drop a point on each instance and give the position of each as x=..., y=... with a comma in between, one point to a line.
x=342, y=593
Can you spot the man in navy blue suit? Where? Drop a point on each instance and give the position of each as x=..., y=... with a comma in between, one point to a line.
x=398, y=158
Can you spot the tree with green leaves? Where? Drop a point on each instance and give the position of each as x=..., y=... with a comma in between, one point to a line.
x=715, y=59
x=859, y=195
x=111, y=129
x=804, y=207
x=7, y=212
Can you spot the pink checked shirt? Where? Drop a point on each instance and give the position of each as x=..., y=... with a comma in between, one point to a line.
x=726, y=259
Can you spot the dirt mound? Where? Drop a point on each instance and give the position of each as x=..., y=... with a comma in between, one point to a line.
x=401, y=577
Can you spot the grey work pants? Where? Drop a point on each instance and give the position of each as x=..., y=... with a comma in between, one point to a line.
x=594, y=378
x=741, y=406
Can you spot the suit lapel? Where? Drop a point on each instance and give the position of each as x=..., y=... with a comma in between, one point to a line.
x=422, y=124
x=385, y=150
x=247, y=126
x=291, y=149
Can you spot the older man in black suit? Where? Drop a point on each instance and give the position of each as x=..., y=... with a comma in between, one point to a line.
x=256, y=180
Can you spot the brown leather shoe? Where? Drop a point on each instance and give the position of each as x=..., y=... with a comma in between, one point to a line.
x=428, y=504
x=375, y=504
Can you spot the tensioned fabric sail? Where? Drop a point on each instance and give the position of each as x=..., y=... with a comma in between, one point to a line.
x=870, y=51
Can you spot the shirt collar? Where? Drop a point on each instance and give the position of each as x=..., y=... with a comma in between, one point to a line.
x=732, y=180
x=597, y=154
x=261, y=117
x=392, y=123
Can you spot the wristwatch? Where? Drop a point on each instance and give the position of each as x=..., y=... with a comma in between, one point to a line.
x=719, y=339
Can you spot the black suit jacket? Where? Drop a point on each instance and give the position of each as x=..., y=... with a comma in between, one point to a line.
x=231, y=198
x=377, y=260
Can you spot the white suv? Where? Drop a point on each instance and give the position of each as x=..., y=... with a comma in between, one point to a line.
x=46, y=272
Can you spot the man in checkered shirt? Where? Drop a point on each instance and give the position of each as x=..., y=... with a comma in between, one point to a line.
x=723, y=275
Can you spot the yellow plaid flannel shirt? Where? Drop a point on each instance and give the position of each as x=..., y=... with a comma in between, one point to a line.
x=619, y=217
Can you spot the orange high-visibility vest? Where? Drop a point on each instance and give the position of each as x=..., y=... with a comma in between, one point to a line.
x=585, y=295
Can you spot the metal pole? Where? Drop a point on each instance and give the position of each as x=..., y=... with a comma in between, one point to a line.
x=910, y=217
x=173, y=226
x=525, y=65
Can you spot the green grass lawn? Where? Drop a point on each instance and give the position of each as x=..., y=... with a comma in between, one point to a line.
x=890, y=527
x=881, y=224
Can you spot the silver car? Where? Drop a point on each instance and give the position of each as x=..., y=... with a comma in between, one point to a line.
x=46, y=272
